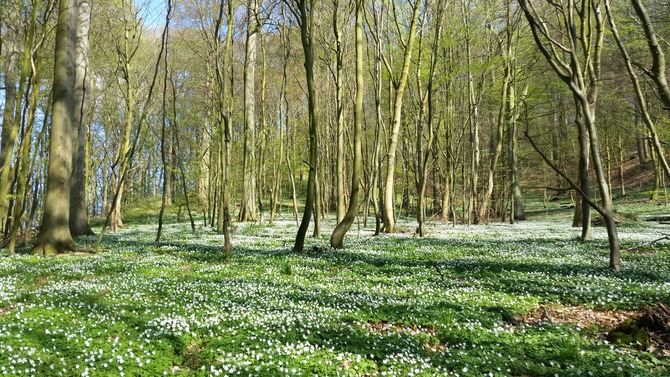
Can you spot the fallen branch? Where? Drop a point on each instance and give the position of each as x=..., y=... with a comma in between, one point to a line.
x=666, y=237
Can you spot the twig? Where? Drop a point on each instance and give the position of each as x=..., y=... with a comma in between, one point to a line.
x=439, y=272
x=556, y=280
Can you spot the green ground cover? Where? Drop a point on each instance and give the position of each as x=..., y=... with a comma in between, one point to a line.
x=392, y=305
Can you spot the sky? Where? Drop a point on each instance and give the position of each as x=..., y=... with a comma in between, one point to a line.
x=153, y=11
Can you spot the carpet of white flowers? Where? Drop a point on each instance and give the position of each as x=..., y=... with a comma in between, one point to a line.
x=392, y=305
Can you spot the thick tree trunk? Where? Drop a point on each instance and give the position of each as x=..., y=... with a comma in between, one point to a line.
x=9, y=126
x=54, y=236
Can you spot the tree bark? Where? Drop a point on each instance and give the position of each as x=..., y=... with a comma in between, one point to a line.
x=580, y=71
x=388, y=204
x=79, y=220
x=9, y=125
x=337, y=238
x=424, y=153
x=305, y=16
x=54, y=236
x=248, y=210
x=642, y=102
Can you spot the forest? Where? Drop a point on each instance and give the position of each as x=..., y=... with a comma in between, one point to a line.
x=334, y=187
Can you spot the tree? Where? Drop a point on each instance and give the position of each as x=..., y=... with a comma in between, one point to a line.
x=657, y=73
x=576, y=61
x=164, y=126
x=54, y=236
x=10, y=127
x=424, y=150
x=303, y=11
x=337, y=238
x=339, y=104
x=33, y=62
x=399, y=83
x=79, y=224
x=248, y=210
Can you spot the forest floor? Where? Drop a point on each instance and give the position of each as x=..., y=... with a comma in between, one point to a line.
x=491, y=300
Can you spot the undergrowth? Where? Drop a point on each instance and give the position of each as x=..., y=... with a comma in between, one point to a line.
x=391, y=305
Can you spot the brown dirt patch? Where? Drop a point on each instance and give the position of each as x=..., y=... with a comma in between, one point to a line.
x=6, y=309
x=575, y=315
x=604, y=320
x=382, y=327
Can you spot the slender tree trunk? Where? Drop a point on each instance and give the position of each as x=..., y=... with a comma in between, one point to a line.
x=306, y=18
x=374, y=194
x=164, y=153
x=507, y=98
x=621, y=166
x=518, y=212
x=473, y=123
x=424, y=156
x=23, y=190
x=337, y=238
x=79, y=223
x=178, y=161
x=248, y=210
x=582, y=210
x=283, y=122
x=339, y=103
x=642, y=102
x=388, y=205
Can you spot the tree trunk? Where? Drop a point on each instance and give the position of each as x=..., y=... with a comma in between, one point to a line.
x=644, y=112
x=388, y=205
x=9, y=125
x=306, y=13
x=339, y=103
x=337, y=238
x=54, y=236
x=248, y=210
x=164, y=148
x=424, y=153
x=585, y=49
x=79, y=221
x=283, y=123
x=621, y=166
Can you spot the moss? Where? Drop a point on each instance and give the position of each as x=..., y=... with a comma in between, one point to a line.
x=628, y=333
